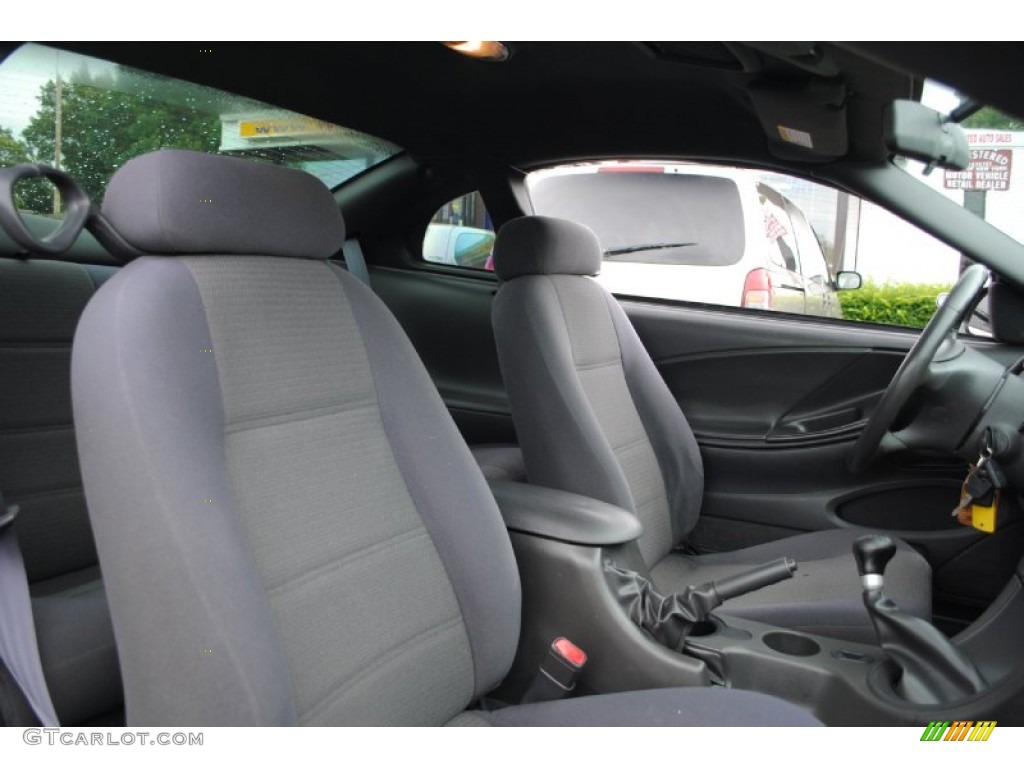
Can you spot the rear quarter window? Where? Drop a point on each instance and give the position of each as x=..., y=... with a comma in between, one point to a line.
x=460, y=234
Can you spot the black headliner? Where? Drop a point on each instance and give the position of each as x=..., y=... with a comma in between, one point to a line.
x=550, y=101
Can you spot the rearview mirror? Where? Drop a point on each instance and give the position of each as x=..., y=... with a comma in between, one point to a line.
x=848, y=281
x=914, y=131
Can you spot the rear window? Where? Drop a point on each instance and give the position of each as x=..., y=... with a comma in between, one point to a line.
x=652, y=216
x=88, y=117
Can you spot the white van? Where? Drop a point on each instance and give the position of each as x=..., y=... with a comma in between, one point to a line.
x=694, y=233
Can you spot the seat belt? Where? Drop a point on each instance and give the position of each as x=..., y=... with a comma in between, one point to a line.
x=354, y=260
x=19, y=649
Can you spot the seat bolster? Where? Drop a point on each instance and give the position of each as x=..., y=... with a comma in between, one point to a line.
x=673, y=442
x=665, y=707
x=547, y=398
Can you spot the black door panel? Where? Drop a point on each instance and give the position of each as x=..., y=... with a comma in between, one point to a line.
x=776, y=403
x=798, y=395
x=751, y=378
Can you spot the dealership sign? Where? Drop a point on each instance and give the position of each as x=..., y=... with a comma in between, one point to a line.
x=292, y=125
x=989, y=169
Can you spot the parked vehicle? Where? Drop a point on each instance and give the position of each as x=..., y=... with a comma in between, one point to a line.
x=458, y=246
x=694, y=233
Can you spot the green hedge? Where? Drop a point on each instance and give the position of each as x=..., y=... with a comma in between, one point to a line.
x=907, y=304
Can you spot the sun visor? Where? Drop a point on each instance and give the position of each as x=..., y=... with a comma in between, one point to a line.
x=1006, y=312
x=805, y=120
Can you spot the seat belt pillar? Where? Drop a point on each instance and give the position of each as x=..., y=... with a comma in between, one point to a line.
x=355, y=261
x=19, y=649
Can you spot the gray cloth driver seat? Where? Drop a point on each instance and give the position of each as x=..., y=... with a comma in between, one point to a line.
x=594, y=417
x=291, y=529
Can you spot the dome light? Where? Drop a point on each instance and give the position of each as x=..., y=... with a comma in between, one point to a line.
x=486, y=50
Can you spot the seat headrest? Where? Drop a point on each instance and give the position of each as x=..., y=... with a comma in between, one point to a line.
x=177, y=202
x=541, y=245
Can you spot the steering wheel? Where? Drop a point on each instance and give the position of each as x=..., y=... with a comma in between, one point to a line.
x=914, y=369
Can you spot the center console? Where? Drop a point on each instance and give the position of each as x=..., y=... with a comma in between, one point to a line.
x=568, y=545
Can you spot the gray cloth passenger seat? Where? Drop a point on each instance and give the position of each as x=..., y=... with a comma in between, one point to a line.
x=594, y=417
x=40, y=303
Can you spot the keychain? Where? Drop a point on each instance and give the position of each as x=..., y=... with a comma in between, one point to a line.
x=980, y=494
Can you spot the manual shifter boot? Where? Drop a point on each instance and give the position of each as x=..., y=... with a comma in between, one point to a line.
x=934, y=671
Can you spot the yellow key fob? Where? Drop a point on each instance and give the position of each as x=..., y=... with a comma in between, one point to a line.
x=984, y=517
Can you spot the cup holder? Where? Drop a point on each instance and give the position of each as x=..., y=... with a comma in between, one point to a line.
x=791, y=643
x=703, y=629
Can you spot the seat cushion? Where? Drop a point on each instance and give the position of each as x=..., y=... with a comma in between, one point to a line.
x=76, y=645
x=500, y=461
x=824, y=595
x=671, y=707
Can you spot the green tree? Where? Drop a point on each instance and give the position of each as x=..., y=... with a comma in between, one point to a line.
x=990, y=117
x=34, y=195
x=102, y=127
x=12, y=151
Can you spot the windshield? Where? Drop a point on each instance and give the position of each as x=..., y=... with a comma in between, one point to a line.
x=993, y=186
x=89, y=117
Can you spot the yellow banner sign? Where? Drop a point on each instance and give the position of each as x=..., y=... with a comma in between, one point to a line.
x=284, y=126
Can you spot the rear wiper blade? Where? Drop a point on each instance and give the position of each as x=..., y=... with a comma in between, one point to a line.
x=644, y=247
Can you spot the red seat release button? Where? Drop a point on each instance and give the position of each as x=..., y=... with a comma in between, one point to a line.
x=569, y=651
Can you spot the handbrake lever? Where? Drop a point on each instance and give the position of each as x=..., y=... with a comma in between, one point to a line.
x=670, y=619
x=756, y=578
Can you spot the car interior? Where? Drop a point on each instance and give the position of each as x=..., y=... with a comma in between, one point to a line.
x=262, y=463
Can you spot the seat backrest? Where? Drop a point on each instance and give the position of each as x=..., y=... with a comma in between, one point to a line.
x=40, y=303
x=290, y=526
x=592, y=413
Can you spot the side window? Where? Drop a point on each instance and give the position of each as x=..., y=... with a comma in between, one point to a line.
x=749, y=239
x=460, y=234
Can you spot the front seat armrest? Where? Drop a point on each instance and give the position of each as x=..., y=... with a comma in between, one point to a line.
x=564, y=516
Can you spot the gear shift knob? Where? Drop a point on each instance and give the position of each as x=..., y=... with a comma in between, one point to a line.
x=932, y=669
x=873, y=553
